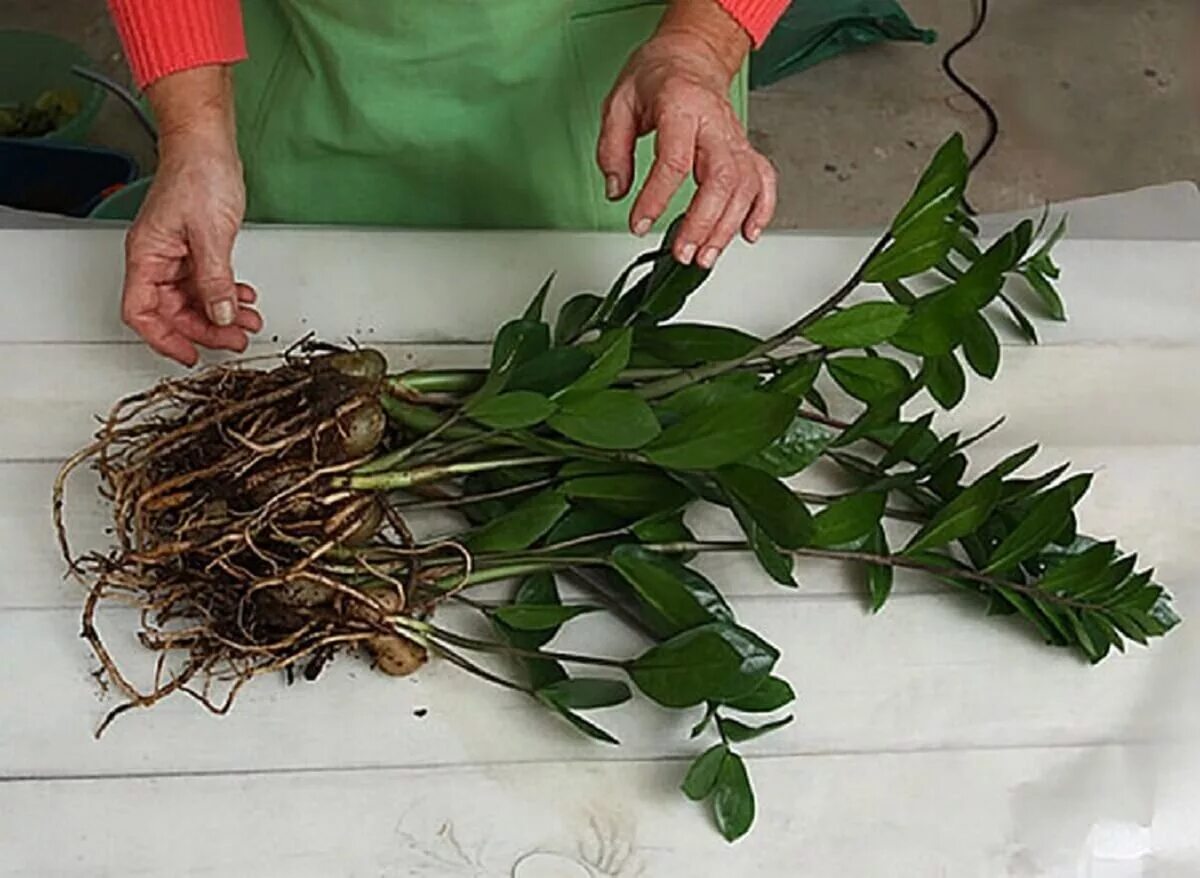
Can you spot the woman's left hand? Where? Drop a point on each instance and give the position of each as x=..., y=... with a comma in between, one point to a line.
x=677, y=86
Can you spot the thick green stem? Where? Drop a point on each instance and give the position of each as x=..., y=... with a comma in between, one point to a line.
x=393, y=480
x=492, y=646
x=437, y=381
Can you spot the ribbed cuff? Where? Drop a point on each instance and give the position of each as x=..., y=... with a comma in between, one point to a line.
x=165, y=36
x=756, y=17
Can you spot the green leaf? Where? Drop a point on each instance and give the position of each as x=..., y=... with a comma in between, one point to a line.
x=901, y=294
x=914, y=439
x=534, y=311
x=709, y=394
x=945, y=379
x=606, y=312
x=518, y=341
x=797, y=379
x=795, y=450
x=539, y=617
x=771, y=694
x=879, y=576
x=1045, y=291
x=849, y=520
x=678, y=597
x=714, y=662
x=611, y=352
x=512, y=410
x=611, y=419
x=960, y=517
x=869, y=378
x=733, y=799
x=710, y=711
x=732, y=431
x=769, y=502
x=776, y=563
x=636, y=493
x=663, y=527
x=938, y=192
x=702, y=775
x=981, y=346
x=573, y=316
x=1038, y=527
x=584, y=520
x=586, y=693
x=689, y=344
x=669, y=286
x=861, y=325
x=737, y=731
x=521, y=527
x=550, y=371
x=1026, y=328
x=586, y=726
x=1078, y=573
x=536, y=589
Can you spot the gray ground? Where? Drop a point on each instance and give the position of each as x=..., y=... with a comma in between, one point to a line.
x=1094, y=96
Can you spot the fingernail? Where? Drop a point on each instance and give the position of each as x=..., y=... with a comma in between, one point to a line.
x=222, y=312
x=612, y=186
x=686, y=254
x=753, y=234
x=708, y=257
x=642, y=226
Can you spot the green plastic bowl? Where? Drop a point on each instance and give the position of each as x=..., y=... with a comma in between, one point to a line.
x=124, y=203
x=32, y=62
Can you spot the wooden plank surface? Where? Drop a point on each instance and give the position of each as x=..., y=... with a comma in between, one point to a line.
x=928, y=741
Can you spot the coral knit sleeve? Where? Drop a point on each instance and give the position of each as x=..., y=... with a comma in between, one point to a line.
x=165, y=36
x=756, y=17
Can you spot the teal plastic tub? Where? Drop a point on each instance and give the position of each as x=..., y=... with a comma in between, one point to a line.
x=32, y=63
x=124, y=203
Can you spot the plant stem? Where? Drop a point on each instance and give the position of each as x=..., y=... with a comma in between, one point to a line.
x=468, y=499
x=492, y=646
x=391, y=480
x=687, y=377
x=471, y=668
x=436, y=381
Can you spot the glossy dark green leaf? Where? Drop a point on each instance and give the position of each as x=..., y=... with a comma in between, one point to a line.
x=733, y=799
x=710, y=394
x=772, y=505
x=663, y=527
x=611, y=356
x=849, y=520
x=1027, y=330
x=961, y=516
x=1037, y=528
x=938, y=193
x=587, y=727
x=771, y=694
x=1014, y=461
x=726, y=433
x=776, y=563
x=1078, y=573
x=584, y=519
x=521, y=527
x=944, y=479
x=714, y=662
x=869, y=378
x=512, y=410
x=702, y=774
x=669, y=286
x=981, y=346
x=678, y=597
x=736, y=731
x=631, y=494
x=945, y=379
x=797, y=379
x=710, y=711
x=539, y=617
x=1046, y=293
x=795, y=450
x=537, y=305
x=689, y=344
x=536, y=589
x=861, y=325
x=573, y=316
x=901, y=294
x=610, y=419
x=879, y=576
x=518, y=341
x=586, y=693
x=606, y=312
x=550, y=371
x=913, y=442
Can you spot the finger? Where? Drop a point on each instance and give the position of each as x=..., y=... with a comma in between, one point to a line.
x=249, y=320
x=199, y=330
x=614, y=149
x=726, y=228
x=139, y=311
x=674, y=156
x=720, y=181
x=246, y=294
x=212, y=280
x=158, y=334
x=763, y=210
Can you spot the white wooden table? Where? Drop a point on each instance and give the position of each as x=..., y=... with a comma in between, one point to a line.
x=929, y=741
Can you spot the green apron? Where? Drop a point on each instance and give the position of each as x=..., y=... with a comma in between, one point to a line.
x=435, y=113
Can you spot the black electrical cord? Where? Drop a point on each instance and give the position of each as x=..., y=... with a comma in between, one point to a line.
x=993, y=121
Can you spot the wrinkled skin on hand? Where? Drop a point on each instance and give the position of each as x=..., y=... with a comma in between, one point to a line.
x=677, y=86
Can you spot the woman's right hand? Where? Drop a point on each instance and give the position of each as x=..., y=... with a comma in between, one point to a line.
x=179, y=287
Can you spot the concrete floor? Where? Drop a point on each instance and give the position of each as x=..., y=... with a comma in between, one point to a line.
x=1094, y=96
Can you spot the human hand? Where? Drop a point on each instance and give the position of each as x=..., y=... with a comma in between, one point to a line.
x=677, y=85
x=179, y=289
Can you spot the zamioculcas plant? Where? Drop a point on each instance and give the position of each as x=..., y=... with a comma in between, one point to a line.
x=263, y=516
